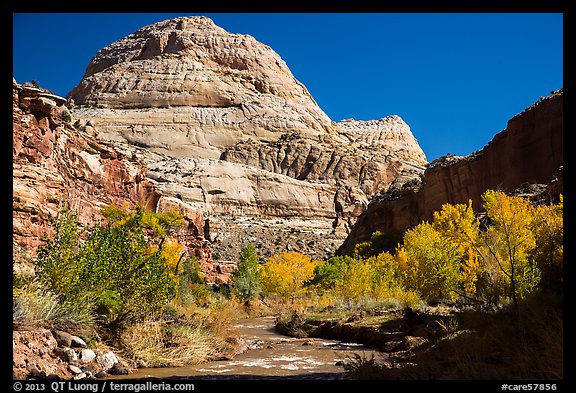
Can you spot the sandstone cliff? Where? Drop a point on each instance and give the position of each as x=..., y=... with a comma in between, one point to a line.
x=529, y=150
x=54, y=162
x=224, y=126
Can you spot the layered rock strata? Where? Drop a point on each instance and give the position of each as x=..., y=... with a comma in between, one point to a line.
x=56, y=161
x=222, y=124
x=529, y=150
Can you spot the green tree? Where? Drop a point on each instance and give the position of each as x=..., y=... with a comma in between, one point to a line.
x=112, y=264
x=192, y=286
x=329, y=274
x=245, y=282
x=57, y=263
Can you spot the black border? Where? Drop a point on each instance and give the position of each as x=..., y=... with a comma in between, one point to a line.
x=424, y=6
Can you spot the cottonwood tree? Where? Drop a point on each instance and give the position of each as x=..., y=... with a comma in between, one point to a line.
x=285, y=274
x=507, y=244
x=429, y=263
x=548, y=228
x=458, y=225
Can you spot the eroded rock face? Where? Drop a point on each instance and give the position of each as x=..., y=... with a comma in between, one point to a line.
x=188, y=82
x=53, y=163
x=529, y=150
x=223, y=125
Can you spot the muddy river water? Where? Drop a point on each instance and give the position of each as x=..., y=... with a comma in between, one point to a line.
x=272, y=355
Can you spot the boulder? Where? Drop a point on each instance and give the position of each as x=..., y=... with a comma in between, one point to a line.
x=77, y=342
x=87, y=356
x=106, y=361
x=62, y=338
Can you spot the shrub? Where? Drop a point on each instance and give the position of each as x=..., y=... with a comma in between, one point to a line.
x=192, y=286
x=112, y=265
x=361, y=367
x=173, y=345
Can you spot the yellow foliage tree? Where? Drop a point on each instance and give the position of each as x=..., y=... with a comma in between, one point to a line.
x=470, y=269
x=548, y=228
x=356, y=280
x=458, y=225
x=286, y=273
x=385, y=275
x=429, y=264
x=507, y=244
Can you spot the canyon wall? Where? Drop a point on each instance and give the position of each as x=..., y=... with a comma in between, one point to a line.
x=57, y=162
x=529, y=150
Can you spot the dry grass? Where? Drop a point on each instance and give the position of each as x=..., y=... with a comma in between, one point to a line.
x=216, y=317
x=172, y=345
x=200, y=334
x=487, y=346
x=34, y=306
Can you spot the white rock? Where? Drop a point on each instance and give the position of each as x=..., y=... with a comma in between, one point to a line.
x=87, y=356
x=74, y=369
x=71, y=356
x=107, y=360
x=78, y=342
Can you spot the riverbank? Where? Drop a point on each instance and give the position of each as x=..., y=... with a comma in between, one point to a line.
x=269, y=355
x=396, y=333
x=54, y=354
x=337, y=343
x=445, y=342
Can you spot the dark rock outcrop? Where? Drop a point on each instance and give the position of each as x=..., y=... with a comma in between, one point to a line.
x=529, y=150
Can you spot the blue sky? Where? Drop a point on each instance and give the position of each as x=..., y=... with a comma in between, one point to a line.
x=456, y=79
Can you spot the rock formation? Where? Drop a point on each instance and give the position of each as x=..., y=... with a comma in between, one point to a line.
x=529, y=150
x=55, y=162
x=223, y=125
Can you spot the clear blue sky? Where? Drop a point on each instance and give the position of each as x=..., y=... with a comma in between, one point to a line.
x=456, y=79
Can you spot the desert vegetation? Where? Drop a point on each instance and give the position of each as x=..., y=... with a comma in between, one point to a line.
x=499, y=273
x=128, y=282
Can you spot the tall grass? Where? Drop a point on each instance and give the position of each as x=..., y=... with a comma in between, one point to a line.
x=190, y=334
x=35, y=306
x=164, y=345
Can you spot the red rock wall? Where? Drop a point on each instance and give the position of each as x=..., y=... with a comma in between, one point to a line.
x=530, y=149
x=54, y=162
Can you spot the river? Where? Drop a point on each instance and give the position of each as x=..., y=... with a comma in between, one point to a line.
x=273, y=355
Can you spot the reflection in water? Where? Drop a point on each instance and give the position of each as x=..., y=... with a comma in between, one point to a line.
x=274, y=355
